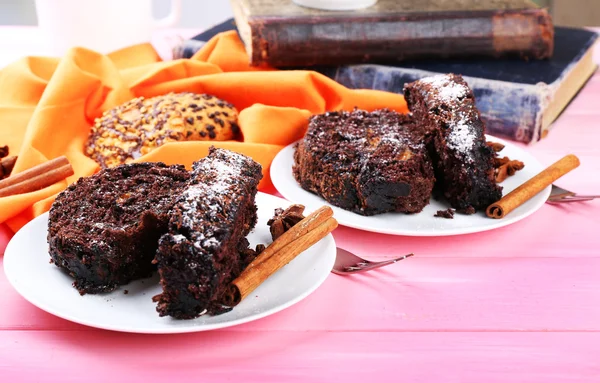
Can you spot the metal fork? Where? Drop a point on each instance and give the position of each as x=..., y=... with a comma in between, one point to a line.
x=560, y=195
x=348, y=263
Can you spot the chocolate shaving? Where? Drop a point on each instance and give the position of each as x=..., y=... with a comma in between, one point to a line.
x=468, y=210
x=3, y=151
x=448, y=213
x=283, y=220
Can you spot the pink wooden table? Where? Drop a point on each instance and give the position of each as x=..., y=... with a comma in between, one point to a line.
x=518, y=304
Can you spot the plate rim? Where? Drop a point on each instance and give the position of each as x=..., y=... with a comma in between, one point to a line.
x=414, y=233
x=328, y=240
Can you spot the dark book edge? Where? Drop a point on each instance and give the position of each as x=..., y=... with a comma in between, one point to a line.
x=284, y=42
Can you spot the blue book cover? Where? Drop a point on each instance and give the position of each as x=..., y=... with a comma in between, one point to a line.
x=517, y=99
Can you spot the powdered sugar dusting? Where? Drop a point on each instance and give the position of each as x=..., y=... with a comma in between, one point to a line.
x=394, y=139
x=447, y=90
x=206, y=200
x=179, y=238
x=461, y=136
x=462, y=140
x=453, y=91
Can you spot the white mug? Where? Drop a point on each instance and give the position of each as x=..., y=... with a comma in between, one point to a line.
x=100, y=25
x=336, y=5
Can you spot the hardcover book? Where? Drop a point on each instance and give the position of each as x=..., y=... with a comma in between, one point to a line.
x=517, y=99
x=282, y=34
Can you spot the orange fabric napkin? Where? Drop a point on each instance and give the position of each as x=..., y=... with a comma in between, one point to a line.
x=47, y=106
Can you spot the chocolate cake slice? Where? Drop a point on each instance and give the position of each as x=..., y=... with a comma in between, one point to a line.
x=368, y=163
x=444, y=108
x=103, y=230
x=205, y=247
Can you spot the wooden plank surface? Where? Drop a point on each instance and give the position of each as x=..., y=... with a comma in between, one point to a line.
x=300, y=356
x=425, y=294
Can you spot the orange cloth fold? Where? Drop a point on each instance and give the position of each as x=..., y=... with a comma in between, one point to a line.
x=48, y=105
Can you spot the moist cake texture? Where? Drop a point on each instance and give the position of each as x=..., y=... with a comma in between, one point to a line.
x=368, y=163
x=205, y=247
x=444, y=109
x=103, y=229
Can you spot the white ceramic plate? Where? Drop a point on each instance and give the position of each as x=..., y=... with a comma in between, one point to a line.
x=423, y=223
x=27, y=267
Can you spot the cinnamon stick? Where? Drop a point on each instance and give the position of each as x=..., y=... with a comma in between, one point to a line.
x=532, y=187
x=310, y=222
x=252, y=277
x=6, y=166
x=36, y=178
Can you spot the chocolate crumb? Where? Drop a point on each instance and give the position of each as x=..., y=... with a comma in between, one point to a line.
x=3, y=151
x=125, y=291
x=448, y=213
x=468, y=211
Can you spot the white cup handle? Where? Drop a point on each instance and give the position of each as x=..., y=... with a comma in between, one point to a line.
x=172, y=18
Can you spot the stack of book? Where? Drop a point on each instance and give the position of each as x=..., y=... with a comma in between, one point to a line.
x=522, y=69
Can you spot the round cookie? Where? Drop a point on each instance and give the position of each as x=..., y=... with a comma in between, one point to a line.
x=141, y=125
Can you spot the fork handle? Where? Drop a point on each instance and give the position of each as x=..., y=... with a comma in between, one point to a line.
x=571, y=199
x=576, y=196
x=374, y=265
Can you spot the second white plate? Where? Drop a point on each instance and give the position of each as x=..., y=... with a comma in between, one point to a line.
x=423, y=223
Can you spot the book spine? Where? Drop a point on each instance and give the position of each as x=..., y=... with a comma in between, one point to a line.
x=186, y=49
x=509, y=110
x=284, y=42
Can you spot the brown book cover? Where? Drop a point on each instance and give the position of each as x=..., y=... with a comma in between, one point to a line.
x=283, y=34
